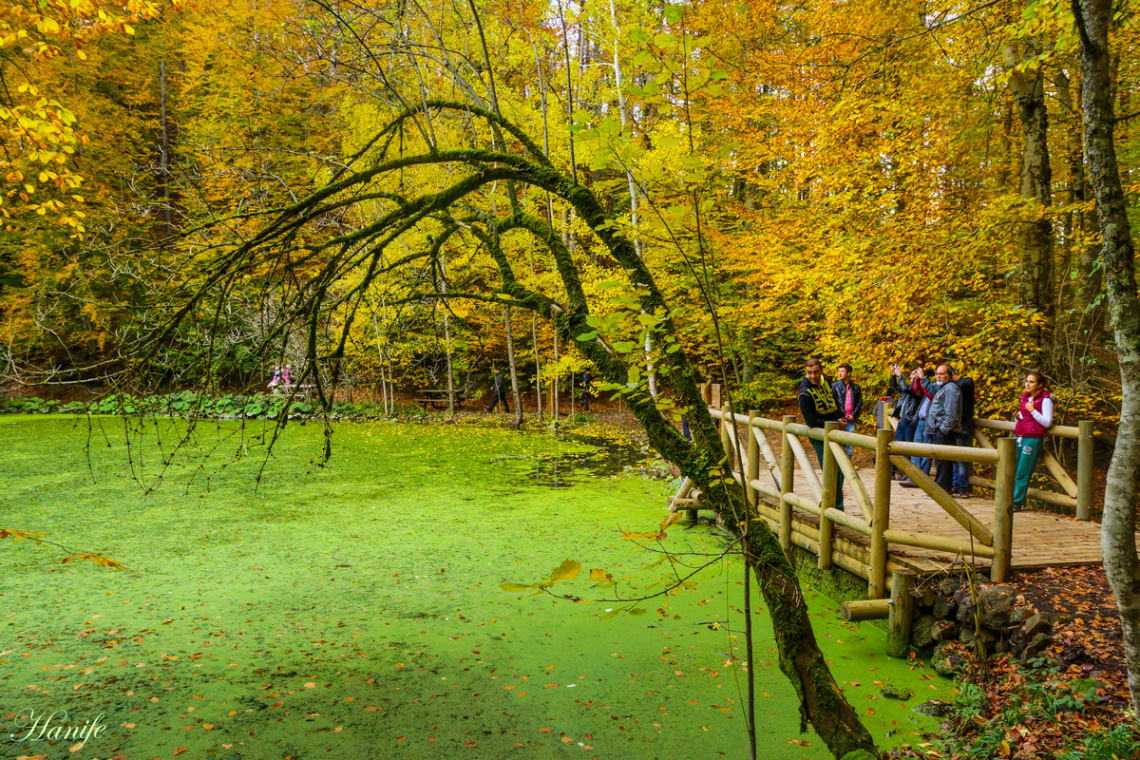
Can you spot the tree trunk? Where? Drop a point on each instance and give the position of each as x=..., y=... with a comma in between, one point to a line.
x=1118, y=529
x=1084, y=224
x=822, y=702
x=514, y=369
x=447, y=337
x=1035, y=230
x=554, y=380
x=749, y=354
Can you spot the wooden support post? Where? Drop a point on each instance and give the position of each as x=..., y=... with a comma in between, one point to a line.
x=1003, y=509
x=753, y=459
x=865, y=609
x=1084, y=469
x=827, y=498
x=787, y=475
x=881, y=513
x=902, y=613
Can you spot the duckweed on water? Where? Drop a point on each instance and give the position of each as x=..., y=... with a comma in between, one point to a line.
x=355, y=610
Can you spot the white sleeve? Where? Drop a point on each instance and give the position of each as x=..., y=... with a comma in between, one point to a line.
x=1045, y=416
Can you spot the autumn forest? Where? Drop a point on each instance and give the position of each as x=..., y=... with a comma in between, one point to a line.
x=391, y=196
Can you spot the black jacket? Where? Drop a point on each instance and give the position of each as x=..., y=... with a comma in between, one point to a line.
x=840, y=391
x=817, y=403
x=966, y=386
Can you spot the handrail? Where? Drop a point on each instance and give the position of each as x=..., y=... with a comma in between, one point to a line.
x=1061, y=431
x=942, y=451
x=853, y=439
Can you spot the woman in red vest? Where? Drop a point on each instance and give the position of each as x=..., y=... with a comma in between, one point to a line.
x=1034, y=418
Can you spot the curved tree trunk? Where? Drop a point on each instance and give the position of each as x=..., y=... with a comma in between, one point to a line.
x=1118, y=529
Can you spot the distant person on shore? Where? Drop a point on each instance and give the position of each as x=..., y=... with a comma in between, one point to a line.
x=499, y=392
x=849, y=397
x=274, y=378
x=818, y=405
x=586, y=394
x=1034, y=418
x=286, y=379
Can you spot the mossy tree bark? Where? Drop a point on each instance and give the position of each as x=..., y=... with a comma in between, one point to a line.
x=1118, y=529
x=823, y=704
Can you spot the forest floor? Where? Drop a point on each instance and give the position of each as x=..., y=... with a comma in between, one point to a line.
x=276, y=608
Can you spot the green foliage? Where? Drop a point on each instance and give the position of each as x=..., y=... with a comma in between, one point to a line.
x=180, y=404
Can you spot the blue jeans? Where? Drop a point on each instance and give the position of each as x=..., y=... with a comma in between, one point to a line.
x=850, y=428
x=920, y=437
x=905, y=433
x=962, y=469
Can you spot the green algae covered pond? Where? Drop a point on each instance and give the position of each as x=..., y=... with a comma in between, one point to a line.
x=355, y=610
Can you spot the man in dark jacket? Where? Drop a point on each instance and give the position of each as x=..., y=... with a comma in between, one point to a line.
x=944, y=422
x=966, y=437
x=849, y=397
x=818, y=405
x=499, y=392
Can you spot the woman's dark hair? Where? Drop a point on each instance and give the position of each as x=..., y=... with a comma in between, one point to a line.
x=1042, y=381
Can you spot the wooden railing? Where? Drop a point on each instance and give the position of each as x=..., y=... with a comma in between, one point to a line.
x=774, y=496
x=1077, y=495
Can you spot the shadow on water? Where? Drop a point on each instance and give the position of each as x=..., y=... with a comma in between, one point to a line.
x=608, y=457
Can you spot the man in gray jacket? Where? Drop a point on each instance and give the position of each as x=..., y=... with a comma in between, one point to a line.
x=944, y=420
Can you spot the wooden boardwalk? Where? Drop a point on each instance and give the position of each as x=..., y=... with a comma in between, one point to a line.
x=888, y=528
x=1040, y=539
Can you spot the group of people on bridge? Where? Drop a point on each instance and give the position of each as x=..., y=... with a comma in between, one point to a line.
x=938, y=410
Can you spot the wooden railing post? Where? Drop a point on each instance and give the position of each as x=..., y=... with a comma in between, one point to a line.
x=881, y=508
x=1084, y=469
x=787, y=482
x=726, y=439
x=901, y=616
x=1003, y=509
x=827, y=499
x=753, y=459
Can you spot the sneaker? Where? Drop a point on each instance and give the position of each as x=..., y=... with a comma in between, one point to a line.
x=908, y=483
x=1018, y=507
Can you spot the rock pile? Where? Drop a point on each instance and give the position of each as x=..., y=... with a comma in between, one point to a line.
x=999, y=617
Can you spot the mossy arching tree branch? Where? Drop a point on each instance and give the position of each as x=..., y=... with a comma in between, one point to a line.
x=822, y=702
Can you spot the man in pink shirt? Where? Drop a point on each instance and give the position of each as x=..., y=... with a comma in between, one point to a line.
x=849, y=397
